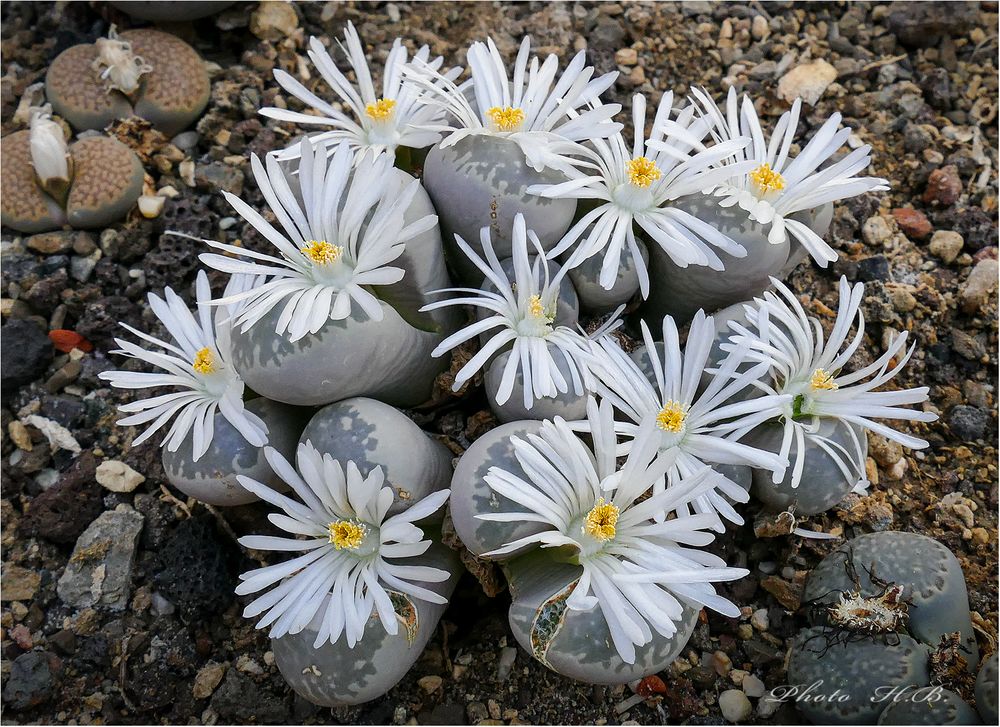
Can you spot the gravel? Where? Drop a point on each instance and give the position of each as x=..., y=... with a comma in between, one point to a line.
x=916, y=81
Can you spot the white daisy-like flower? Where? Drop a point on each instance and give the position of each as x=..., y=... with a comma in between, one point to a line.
x=524, y=316
x=698, y=426
x=381, y=122
x=638, y=184
x=636, y=570
x=779, y=186
x=809, y=368
x=198, y=363
x=338, y=243
x=529, y=107
x=354, y=558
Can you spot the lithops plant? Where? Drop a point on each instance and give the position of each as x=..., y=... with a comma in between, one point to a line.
x=986, y=690
x=314, y=331
x=471, y=496
x=699, y=426
x=929, y=706
x=158, y=10
x=813, y=370
x=933, y=593
x=144, y=72
x=351, y=614
x=382, y=122
x=91, y=183
x=636, y=188
x=618, y=592
x=501, y=143
x=856, y=670
x=212, y=477
x=527, y=354
x=372, y=434
x=769, y=197
x=197, y=362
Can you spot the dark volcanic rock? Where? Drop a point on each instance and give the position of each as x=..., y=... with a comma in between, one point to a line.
x=25, y=354
x=921, y=24
x=62, y=512
x=968, y=423
x=31, y=680
x=196, y=568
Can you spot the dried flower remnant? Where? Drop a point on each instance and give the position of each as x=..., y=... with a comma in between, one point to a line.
x=117, y=65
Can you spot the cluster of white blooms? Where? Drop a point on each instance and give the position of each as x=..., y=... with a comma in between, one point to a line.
x=340, y=226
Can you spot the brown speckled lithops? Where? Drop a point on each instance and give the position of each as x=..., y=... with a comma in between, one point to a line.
x=171, y=84
x=24, y=206
x=107, y=181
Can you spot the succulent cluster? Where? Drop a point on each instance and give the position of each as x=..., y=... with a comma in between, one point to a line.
x=96, y=180
x=614, y=464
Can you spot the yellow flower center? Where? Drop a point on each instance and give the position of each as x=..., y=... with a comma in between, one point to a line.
x=506, y=118
x=347, y=534
x=823, y=380
x=381, y=109
x=536, y=308
x=204, y=361
x=642, y=172
x=766, y=179
x=322, y=252
x=601, y=520
x=671, y=417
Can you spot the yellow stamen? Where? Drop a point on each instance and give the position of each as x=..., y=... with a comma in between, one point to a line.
x=381, y=109
x=347, y=534
x=671, y=417
x=204, y=361
x=322, y=252
x=507, y=118
x=601, y=520
x=535, y=307
x=766, y=179
x=822, y=380
x=642, y=172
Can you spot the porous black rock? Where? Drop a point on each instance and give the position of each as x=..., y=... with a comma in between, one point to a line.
x=25, y=354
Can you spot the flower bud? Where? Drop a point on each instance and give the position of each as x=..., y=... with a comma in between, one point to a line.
x=49, y=156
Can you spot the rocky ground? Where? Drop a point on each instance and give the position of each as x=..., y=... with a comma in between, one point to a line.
x=164, y=641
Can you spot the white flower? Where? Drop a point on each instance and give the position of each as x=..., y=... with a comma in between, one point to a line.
x=524, y=313
x=526, y=107
x=810, y=369
x=699, y=426
x=340, y=241
x=637, y=186
x=199, y=364
x=49, y=155
x=353, y=556
x=381, y=122
x=638, y=570
x=777, y=186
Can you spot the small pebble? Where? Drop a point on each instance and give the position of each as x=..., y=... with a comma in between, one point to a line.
x=735, y=706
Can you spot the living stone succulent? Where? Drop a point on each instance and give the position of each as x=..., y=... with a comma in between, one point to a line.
x=613, y=465
x=372, y=434
x=144, y=72
x=159, y=10
x=612, y=593
x=316, y=331
x=933, y=707
x=930, y=574
x=855, y=670
x=986, y=689
x=97, y=183
x=212, y=478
